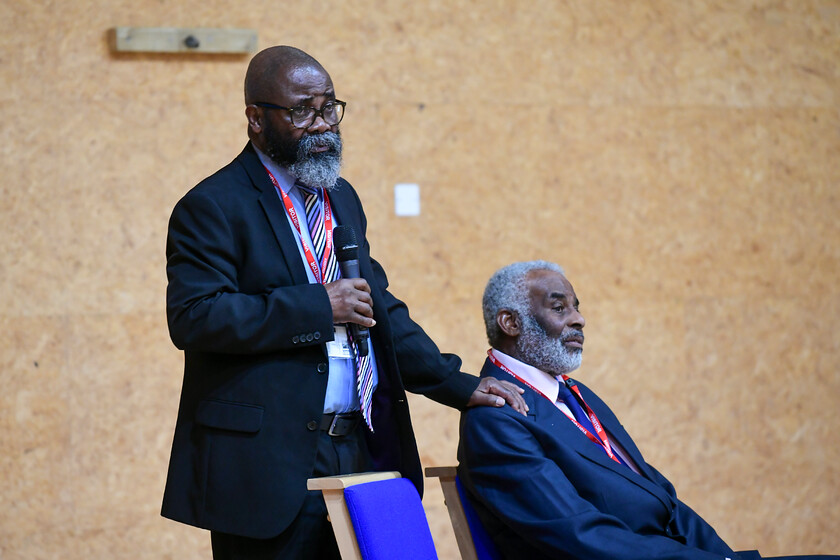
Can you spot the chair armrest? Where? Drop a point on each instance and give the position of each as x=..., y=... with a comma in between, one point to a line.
x=443, y=473
x=341, y=481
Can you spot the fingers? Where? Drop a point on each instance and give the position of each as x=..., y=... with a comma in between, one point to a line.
x=351, y=301
x=362, y=318
x=361, y=284
x=513, y=396
x=512, y=387
x=492, y=392
x=485, y=399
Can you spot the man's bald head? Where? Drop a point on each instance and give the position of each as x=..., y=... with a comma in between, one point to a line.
x=269, y=65
x=280, y=83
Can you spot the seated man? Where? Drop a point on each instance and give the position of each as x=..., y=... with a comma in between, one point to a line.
x=565, y=482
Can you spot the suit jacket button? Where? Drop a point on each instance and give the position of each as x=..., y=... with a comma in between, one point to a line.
x=317, y=335
x=322, y=368
x=309, y=337
x=312, y=426
x=295, y=339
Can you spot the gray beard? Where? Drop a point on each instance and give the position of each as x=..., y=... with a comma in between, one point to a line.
x=318, y=170
x=546, y=353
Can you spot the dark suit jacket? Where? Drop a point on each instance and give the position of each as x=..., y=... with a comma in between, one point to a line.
x=253, y=331
x=543, y=490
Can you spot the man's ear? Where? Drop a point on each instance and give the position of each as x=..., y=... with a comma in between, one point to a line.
x=508, y=321
x=254, y=116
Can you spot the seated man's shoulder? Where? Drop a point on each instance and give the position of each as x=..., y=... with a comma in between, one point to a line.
x=489, y=418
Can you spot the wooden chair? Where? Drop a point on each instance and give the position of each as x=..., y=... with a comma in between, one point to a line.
x=376, y=516
x=473, y=541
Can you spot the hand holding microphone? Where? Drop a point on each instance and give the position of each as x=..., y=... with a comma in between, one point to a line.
x=351, y=300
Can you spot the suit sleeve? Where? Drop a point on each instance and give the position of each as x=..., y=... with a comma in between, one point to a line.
x=206, y=308
x=689, y=524
x=423, y=368
x=508, y=469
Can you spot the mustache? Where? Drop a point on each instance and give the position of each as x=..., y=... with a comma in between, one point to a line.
x=572, y=334
x=329, y=140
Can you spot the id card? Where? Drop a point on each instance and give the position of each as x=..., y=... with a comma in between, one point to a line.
x=339, y=347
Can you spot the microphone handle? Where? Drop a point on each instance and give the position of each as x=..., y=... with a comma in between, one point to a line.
x=360, y=338
x=350, y=269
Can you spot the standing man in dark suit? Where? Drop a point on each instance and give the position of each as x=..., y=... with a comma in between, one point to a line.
x=565, y=481
x=276, y=389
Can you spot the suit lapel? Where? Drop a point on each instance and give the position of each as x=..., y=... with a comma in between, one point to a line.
x=571, y=435
x=546, y=413
x=275, y=214
x=342, y=200
x=616, y=430
x=617, y=433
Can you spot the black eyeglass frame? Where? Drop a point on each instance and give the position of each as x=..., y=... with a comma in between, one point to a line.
x=316, y=112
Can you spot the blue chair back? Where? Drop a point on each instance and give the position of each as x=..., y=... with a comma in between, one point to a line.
x=389, y=521
x=484, y=547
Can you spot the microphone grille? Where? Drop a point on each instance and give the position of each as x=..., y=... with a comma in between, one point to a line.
x=346, y=246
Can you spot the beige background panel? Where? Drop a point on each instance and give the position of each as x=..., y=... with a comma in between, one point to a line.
x=36, y=435
x=680, y=159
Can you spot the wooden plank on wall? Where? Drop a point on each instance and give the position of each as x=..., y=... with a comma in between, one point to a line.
x=180, y=40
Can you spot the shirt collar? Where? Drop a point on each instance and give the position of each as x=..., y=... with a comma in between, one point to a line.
x=543, y=382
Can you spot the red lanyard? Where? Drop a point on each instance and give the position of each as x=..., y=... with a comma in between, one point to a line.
x=602, y=439
x=317, y=271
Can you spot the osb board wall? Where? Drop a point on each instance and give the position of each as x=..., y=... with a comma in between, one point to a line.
x=680, y=159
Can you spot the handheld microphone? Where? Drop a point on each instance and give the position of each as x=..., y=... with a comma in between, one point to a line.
x=347, y=255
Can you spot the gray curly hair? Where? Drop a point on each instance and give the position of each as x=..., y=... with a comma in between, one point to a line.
x=506, y=289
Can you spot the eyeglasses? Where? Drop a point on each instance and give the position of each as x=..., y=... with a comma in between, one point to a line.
x=303, y=116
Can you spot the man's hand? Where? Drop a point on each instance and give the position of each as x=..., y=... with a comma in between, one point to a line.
x=351, y=302
x=492, y=392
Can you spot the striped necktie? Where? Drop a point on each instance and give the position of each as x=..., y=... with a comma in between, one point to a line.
x=314, y=208
x=364, y=383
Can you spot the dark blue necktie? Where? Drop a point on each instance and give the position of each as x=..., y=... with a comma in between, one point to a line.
x=567, y=397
